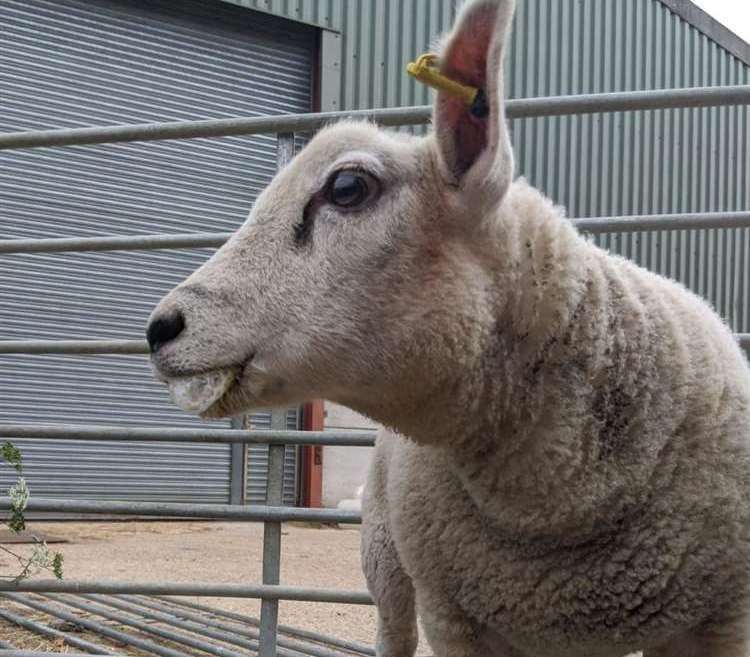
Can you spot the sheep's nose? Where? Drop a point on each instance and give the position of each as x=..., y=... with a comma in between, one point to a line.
x=164, y=329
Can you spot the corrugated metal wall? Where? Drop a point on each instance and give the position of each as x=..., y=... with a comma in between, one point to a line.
x=66, y=63
x=646, y=162
x=639, y=162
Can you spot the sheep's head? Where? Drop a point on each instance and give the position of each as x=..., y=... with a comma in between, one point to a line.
x=352, y=260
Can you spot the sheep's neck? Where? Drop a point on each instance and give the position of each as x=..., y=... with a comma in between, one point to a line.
x=521, y=460
x=560, y=422
x=503, y=417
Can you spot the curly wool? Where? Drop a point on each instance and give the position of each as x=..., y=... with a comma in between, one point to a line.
x=592, y=498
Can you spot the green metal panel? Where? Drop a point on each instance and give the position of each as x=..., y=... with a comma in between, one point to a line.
x=638, y=162
x=627, y=163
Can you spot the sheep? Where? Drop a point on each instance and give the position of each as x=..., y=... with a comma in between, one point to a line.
x=566, y=467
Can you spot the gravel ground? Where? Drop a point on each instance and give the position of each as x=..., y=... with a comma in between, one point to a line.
x=221, y=553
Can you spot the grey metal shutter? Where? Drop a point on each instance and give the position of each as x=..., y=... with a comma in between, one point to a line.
x=69, y=63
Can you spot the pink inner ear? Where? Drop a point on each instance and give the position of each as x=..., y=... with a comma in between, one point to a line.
x=463, y=136
x=469, y=134
x=466, y=61
x=466, y=57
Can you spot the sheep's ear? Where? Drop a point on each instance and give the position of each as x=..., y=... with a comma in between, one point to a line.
x=475, y=150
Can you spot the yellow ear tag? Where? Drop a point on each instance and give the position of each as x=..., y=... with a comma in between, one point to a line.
x=425, y=70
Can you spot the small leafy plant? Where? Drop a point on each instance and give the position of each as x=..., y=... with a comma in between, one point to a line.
x=41, y=558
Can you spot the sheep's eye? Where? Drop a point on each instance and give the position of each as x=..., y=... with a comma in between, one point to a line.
x=349, y=189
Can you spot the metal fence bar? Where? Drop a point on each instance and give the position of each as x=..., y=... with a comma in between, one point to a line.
x=89, y=347
x=151, y=609
x=296, y=593
x=52, y=633
x=73, y=347
x=191, y=626
x=515, y=109
x=114, y=243
x=97, y=628
x=42, y=653
x=238, y=464
x=629, y=101
x=351, y=646
x=249, y=513
x=207, y=128
x=156, y=434
x=269, y=608
x=146, y=627
x=704, y=220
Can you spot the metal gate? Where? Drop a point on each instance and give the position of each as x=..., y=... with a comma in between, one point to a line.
x=130, y=61
x=271, y=592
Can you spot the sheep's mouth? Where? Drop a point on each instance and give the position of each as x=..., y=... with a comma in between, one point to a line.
x=199, y=392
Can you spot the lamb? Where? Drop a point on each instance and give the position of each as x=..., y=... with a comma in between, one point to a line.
x=567, y=470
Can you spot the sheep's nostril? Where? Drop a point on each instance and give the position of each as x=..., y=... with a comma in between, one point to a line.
x=164, y=329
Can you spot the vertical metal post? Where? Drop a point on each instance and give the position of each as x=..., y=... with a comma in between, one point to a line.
x=269, y=609
x=238, y=466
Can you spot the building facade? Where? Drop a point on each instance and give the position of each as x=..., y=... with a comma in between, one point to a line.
x=76, y=63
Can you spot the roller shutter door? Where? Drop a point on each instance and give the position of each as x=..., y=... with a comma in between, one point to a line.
x=73, y=63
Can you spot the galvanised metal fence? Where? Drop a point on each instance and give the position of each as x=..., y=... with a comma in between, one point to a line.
x=270, y=592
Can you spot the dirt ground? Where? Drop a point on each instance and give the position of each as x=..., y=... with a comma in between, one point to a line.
x=219, y=553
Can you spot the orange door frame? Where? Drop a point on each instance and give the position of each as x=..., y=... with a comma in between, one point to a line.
x=311, y=479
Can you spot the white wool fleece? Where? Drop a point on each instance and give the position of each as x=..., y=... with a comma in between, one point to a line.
x=601, y=506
